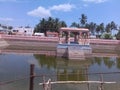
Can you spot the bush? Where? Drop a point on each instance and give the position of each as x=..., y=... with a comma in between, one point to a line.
x=118, y=35
x=106, y=36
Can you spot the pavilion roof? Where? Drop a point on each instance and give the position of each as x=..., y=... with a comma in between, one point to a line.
x=74, y=29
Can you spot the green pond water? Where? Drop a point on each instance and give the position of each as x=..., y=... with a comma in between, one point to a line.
x=15, y=66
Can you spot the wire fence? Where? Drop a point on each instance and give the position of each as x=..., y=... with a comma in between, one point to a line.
x=99, y=81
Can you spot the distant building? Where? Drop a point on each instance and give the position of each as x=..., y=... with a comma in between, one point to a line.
x=22, y=31
x=3, y=30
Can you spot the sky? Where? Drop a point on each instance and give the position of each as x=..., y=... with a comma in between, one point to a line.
x=29, y=12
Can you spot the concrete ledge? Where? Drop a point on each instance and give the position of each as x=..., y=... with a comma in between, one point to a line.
x=3, y=43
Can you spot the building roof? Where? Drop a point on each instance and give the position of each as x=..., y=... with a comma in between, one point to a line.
x=2, y=29
x=74, y=29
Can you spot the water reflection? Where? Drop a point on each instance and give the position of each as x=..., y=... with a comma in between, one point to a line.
x=44, y=61
x=70, y=70
x=109, y=62
x=59, y=69
x=73, y=70
x=65, y=69
x=118, y=63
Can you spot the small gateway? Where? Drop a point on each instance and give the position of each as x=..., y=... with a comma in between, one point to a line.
x=74, y=43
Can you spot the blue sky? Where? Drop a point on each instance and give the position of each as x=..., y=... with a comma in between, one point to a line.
x=29, y=12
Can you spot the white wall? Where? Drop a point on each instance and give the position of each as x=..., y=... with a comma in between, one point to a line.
x=29, y=31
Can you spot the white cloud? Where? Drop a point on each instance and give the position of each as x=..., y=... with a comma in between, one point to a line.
x=95, y=1
x=62, y=7
x=43, y=12
x=6, y=19
x=40, y=12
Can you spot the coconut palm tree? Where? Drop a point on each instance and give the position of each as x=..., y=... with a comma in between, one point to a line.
x=102, y=28
x=83, y=20
x=108, y=28
x=98, y=28
x=41, y=26
x=63, y=24
x=10, y=27
x=74, y=24
x=49, y=24
x=113, y=25
x=92, y=27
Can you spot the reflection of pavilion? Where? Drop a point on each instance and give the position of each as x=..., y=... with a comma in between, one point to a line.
x=78, y=48
x=72, y=70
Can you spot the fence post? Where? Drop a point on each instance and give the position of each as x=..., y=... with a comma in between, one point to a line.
x=101, y=85
x=31, y=85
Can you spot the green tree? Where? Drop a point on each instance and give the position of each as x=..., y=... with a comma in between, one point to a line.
x=108, y=28
x=74, y=24
x=98, y=28
x=92, y=27
x=41, y=26
x=5, y=27
x=118, y=35
x=62, y=24
x=49, y=24
x=102, y=28
x=10, y=27
x=113, y=25
x=106, y=36
x=83, y=20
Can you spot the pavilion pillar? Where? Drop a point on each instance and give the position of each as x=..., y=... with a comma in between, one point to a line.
x=60, y=37
x=79, y=38
x=88, y=36
x=68, y=37
x=75, y=38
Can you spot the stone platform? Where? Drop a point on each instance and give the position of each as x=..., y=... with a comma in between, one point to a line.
x=74, y=51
